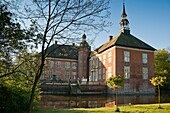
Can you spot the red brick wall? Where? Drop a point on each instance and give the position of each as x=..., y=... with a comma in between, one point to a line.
x=136, y=81
x=83, y=63
x=60, y=72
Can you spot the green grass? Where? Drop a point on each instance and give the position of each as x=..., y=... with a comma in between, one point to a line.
x=143, y=108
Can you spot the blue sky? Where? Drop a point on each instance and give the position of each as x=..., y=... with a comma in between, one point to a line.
x=149, y=21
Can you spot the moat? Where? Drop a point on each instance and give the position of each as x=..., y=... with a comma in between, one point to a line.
x=94, y=101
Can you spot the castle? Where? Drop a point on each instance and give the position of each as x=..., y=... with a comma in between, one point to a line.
x=123, y=55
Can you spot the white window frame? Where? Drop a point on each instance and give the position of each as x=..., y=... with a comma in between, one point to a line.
x=67, y=75
x=96, y=74
x=51, y=63
x=100, y=71
x=67, y=65
x=126, y=56
x=74, y=65
x=58, y=64
x=144, y=58
x=110, y=57
x=50, y=74
x=109, y=72
x=145, y=72
x=126, y=72
x=97, y=62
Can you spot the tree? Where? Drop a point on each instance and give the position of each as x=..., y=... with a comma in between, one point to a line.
x=15, y=89
x=162, y=62
x=61, y=20
x=115, y=82
x=11, y=41
x=17, y=67
x=162, y=66
x=158, y=81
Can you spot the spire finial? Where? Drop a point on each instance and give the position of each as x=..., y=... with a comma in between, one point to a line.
x=123, y=11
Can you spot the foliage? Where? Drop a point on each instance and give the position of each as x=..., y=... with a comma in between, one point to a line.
x=162, y=67
x=158, y=81
x=11, y=41
x=17, y=67
x=162, y=62
x=115, y=82
x=15, y=89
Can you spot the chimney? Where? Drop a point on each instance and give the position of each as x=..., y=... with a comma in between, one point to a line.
x=110, y=38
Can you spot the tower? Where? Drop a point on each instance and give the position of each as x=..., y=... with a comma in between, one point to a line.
x=83, y=57
x=124, y=23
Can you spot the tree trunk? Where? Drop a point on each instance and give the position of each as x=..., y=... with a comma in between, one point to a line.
x=116, y=99
x=159, y=96
x=32, y=95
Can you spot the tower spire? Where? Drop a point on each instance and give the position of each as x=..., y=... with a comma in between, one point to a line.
x=124, y=23
x=123, y=11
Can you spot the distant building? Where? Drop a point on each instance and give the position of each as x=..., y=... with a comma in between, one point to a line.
x=123, y=55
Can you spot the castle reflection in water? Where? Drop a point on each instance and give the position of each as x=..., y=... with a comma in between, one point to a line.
x=94, y=101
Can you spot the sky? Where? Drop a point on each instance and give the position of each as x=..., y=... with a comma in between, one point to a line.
x=149, y=21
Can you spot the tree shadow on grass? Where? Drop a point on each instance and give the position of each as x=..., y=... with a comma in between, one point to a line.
x=125, y=111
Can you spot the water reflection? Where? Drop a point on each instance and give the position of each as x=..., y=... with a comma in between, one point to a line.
x=93, y=101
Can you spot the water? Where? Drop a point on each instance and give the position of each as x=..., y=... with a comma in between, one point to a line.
x=94, y=101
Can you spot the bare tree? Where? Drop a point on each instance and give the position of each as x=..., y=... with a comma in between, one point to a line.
x=61, y=20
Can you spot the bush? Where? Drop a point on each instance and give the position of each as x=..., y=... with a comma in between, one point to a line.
x=13, y=100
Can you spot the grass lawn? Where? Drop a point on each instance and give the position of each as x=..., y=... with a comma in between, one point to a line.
x=143, y=108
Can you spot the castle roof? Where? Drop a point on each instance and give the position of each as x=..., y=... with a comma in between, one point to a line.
x=63, y=51
x=125, y=40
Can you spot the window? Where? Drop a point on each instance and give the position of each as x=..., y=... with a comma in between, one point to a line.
x=145, y=58
x=93, y=64
x=110, y=57
x=74, y=65
x=96, y=75
x=91, y=76
x=109, y=72
x=67, y=75
x=100, y=71
x=50, y=74
x=126, y=72
x=90, y=63
x=126, y=56
x=145, y=73
x=67, y=65
x=51, y=64
x=58, y=64
x=97, y=62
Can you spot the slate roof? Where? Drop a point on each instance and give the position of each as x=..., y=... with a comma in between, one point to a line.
x=125, y=40
x=63, y=51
